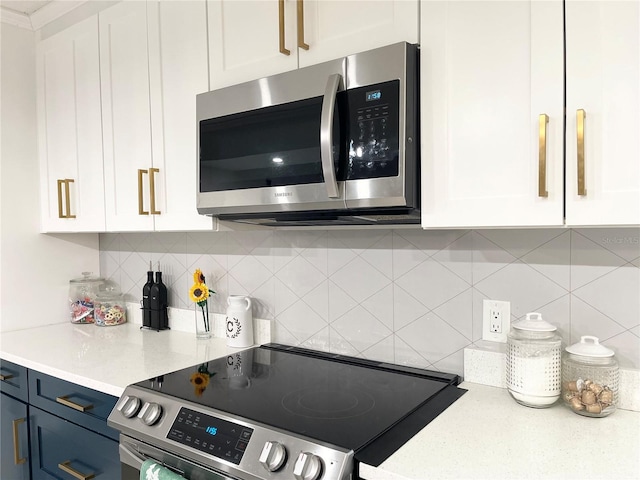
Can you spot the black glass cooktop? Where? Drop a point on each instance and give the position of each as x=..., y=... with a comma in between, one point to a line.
x=336, y=399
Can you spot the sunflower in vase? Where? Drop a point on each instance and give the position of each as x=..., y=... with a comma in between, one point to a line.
x=199, y=293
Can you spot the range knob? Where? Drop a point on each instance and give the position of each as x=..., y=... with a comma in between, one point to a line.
x=273, y=456
x=129, y=406
x=150, y=413
x=307, y=467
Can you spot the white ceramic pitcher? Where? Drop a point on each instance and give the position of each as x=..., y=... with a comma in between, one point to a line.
x=239, y=324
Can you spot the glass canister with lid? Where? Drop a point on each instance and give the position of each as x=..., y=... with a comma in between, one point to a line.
x=110, y=308
x=534, y=362
x=590, y=378
x=82, y=295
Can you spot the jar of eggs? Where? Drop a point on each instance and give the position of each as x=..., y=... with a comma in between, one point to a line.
x=590, y=378
x=110, y=308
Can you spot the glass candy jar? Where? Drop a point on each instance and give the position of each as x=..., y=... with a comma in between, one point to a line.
x=110, y=308
x=533, y=362
x=590, y=378
x=82, y=295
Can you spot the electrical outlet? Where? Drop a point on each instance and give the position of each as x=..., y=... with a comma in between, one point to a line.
x=496, y=320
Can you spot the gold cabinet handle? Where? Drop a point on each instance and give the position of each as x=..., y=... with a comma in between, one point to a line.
x=67, y=181
x=580, y=117
x=60, y=210
x=152, y=190
x=301, y=43
x=543, y=121
x=16, y=442
x=66, y=467
x=141, y=210
x=76, y=406
x=5, y=377
x=283, y=50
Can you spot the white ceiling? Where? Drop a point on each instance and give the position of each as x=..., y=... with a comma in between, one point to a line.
x=24, y=6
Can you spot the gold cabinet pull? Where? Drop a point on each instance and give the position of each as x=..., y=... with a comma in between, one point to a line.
x=580, y=118
x=152, y=190
x=141, y=210
x=64, y=400
x=66, y=467
x=16, y=442
x=67, y=181
x=301, y=43
x=283, y=50
x=543, y=121
x=60, y=210
x=5, y=377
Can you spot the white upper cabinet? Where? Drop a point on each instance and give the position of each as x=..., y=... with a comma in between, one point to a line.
x=70, y=131
x=253, y=39
x=491, y=72
x=126, y=113
x=603, y=97
x=153, y=63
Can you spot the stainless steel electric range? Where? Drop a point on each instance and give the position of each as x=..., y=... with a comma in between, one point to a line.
x=277, y=412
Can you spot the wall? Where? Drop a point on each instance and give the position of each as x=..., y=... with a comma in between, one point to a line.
x=34, y=268
x=404, y=296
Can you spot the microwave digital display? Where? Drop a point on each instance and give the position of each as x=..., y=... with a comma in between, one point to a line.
x=374, y=95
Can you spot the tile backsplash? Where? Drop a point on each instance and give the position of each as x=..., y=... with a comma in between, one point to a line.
x=404, y=296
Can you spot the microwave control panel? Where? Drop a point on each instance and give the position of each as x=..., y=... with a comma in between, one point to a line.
x=374, y=131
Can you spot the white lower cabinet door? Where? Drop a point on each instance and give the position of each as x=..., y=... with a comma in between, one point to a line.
x=603, y=112
x=70, y=130
x=491, y=72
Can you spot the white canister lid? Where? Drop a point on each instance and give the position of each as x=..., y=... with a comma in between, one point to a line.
x=533, y=322
x=589, y=346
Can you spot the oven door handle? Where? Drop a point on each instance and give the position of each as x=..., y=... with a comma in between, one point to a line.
x=326, y=134
x=131, y=458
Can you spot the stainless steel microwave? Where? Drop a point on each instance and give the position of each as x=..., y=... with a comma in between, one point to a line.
x=333, y=143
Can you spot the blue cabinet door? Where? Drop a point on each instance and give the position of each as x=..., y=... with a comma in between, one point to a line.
x=64, y=451
x=13, y=380
x=14, y=439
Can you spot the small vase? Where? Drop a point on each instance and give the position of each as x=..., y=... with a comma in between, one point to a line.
x=203, y=326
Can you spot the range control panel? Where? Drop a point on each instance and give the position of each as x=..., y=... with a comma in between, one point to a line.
x=211, y=435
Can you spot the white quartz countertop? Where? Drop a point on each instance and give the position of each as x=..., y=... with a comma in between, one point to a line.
x=483, y=435
x=486, y=435
x=107, y=359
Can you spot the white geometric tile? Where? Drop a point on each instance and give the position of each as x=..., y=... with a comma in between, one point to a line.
x=406, y=256
x=318, y=341
x=478, y=305
x=359, y=279
x=169, y=242
x=627, y=348
x=406, y=309
x=300, y=276
x=380, y=255
x=283, y=296
x=136, y=242
x=318, y=300
x=433, y=338
x=487, y=258
x=636, y=262
x=109, y=241
x=454, y=363
x=406, y=355
x=524, y=287
x=206, y=242
x=457, y=257
x=520, y=242
x=208, y=265
x=380, y=306
x=624, y=242
x=430, y=241
x=381, y=351
x=301, y=321
x=339, y=302
x=557, y=313
x=552, y=259
x=616, y=295
x=589, y=260
x=280, y=334
x=264, y=300
x=317, y=255
x=457, y=312
x=338, y=255
x=250, y=273
x=361, y=328
x=432, y=284
x=339, y=345
x=635, y=330
x=358, y=240
x=586, y=320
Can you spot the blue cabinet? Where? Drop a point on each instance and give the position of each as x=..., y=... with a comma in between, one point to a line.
x=13, y=380
x=14, y=439
x=63, y=450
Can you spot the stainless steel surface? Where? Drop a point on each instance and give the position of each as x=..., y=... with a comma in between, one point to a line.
x=393, y=62
x=334, y=83
x=140, y=441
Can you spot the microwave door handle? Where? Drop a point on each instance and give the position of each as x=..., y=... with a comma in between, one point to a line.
x=326, y=134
